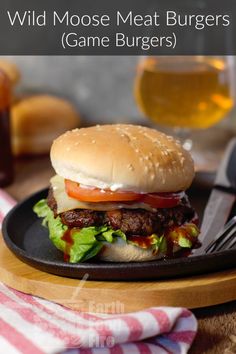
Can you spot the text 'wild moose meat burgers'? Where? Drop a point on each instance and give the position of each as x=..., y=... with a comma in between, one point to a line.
x=119, y=195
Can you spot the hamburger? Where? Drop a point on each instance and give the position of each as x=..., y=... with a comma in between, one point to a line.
x=119, y=195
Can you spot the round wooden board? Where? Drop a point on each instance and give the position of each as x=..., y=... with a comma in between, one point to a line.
x=101, y=296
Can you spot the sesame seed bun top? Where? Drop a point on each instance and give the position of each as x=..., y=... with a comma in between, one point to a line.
x=121, y=156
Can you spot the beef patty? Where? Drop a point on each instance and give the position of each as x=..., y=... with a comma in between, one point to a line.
x=130, y=221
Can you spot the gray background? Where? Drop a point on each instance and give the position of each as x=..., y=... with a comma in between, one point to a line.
x=101, y=87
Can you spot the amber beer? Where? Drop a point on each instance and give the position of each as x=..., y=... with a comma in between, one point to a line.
x=186, y=92
x=6, y=163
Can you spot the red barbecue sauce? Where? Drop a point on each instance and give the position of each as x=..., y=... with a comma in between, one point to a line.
x=6, y=161
x=67, y=237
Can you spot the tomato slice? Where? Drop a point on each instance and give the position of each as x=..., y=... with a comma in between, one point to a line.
x=96, y=195
x=162, y=200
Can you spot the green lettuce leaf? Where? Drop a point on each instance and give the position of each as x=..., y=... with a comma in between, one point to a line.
x=55, y=226
x=184, y=242
x=110, y=234
x=162, y=244
x=41, y=208
x=85, y=244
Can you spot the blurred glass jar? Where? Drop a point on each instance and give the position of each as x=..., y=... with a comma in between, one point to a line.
x=6, y=160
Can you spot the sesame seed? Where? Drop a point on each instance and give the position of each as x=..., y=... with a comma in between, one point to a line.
x=93, y=141
x=68, y=149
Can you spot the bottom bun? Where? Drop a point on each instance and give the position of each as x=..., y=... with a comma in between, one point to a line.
x=120, y=251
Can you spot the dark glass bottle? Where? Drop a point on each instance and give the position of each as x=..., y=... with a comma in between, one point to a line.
x=6, y=160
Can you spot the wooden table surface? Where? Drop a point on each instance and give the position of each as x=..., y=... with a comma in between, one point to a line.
x=217, y=325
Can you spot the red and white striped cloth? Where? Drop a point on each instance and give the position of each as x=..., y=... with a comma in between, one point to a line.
x=30, y=325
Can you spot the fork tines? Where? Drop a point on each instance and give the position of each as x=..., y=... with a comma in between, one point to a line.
x=225, y=239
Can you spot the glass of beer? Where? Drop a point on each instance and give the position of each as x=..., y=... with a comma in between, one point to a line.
x=185, y=92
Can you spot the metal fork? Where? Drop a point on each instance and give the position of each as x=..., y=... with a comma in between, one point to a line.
x=225, y=239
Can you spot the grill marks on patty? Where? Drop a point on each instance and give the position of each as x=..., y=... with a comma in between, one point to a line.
x=136, y=221
x=82, y=218
x=130, y=221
